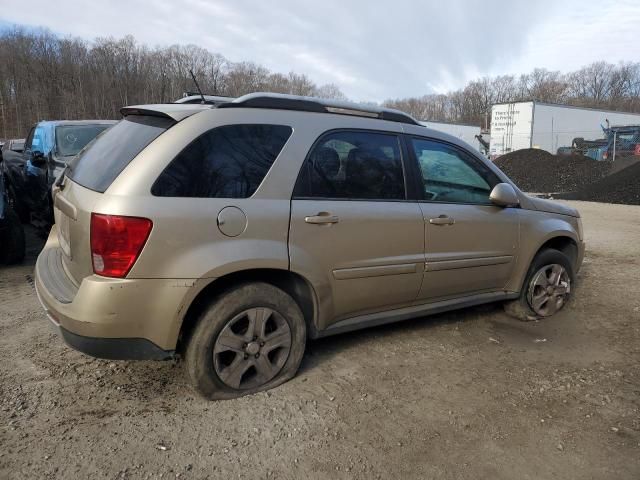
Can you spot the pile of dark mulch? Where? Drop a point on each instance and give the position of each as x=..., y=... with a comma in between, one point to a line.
x=538, y=171
x=623, y=186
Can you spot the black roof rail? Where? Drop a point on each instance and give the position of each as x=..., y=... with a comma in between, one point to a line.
x=280, y=101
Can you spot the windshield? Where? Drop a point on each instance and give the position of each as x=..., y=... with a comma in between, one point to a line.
x=70, y=139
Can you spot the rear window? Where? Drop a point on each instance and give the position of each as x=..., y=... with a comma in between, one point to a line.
x=98, y=165
x=226, y=162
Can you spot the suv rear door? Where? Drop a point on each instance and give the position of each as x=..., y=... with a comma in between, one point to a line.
x=470, y=244
x=353, y=232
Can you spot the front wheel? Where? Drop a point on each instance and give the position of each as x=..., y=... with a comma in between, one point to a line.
x=546, y=289
x=250, y=339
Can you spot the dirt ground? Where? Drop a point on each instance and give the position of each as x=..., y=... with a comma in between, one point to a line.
x=472, y=394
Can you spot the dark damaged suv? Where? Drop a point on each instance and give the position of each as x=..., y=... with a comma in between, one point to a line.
x=47, y=149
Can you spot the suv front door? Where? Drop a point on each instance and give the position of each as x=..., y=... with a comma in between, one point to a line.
x=353, y=233
x=470, y=244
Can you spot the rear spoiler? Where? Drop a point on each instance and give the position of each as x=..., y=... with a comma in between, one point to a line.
x=175, y=112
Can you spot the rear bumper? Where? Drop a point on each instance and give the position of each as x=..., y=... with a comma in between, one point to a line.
x=115, y=348
x=111, y=318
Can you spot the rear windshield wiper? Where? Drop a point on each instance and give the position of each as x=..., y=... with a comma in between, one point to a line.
x=60, y=179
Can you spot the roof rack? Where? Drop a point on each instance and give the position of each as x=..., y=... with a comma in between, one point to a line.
x=208, y=99
x=319, y=105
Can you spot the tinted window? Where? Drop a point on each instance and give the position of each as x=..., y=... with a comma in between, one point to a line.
x=70, y=139
x=449, y=175
x=354, y=165
x=101, y=162
x=226, y=162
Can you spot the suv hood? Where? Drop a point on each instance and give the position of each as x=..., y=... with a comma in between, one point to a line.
x=549, y=206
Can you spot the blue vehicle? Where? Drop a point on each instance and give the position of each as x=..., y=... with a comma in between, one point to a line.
x=619, y=141
x=47, y=149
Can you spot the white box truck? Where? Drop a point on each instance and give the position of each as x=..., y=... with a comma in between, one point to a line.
x=548, y=126
x=464, y=132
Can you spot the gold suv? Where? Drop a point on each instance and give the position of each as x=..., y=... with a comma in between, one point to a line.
x=231, y=233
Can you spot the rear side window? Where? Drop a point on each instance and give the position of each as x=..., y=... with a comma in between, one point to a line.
x=353, y=165
x=226, y=162
x=98, y=165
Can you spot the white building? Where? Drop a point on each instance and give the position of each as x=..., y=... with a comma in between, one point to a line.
x=548, y=126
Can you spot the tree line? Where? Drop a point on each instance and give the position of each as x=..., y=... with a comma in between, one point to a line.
x=599, y=85
x=45, y=76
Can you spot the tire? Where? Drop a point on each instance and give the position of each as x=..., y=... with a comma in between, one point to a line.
x=531, y=305
x=12, y=243
x=18, y=207
x=224, y=360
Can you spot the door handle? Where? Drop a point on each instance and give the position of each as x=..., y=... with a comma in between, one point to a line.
x=322, y=218
x=442, y=220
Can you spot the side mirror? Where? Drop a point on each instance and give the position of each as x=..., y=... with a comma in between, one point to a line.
x=504, y=195
x=37, y=158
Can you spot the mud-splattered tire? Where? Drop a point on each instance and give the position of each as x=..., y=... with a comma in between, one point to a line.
x=546, y=289
x=250, y=339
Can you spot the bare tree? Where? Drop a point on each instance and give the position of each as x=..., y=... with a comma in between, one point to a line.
x=44, y=76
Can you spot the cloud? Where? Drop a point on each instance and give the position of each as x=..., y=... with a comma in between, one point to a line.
x=371, y=50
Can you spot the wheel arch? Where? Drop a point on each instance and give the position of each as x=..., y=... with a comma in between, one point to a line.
x=562, y=241
x=299, y=288
x=565, y=244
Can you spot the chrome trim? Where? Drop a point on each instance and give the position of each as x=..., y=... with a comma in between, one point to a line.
x=435, y=266
x=375, y=271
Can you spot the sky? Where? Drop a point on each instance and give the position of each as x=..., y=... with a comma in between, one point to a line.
x=372, y=50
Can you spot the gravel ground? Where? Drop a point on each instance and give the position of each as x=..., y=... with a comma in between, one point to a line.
x=471, y=394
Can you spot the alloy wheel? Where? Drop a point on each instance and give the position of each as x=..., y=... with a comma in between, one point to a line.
x=549, y=289
x=252, y=348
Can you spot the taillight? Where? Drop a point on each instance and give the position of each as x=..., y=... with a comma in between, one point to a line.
x=116, y=242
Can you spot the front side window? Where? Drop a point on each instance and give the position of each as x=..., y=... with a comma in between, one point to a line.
x=450, y=176
x=226, y=162
x=353, y=165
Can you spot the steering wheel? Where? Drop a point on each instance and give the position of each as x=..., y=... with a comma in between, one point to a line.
x=434, y=195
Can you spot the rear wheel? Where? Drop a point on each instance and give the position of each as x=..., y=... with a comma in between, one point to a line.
x=18, y=207
x=547, y=287
x=12, y=242
x=250, y=339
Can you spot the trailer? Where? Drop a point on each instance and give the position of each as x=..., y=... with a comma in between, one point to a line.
x=548, y=126
x=466, y=133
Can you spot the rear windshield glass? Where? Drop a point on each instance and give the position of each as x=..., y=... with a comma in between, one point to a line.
x=101, y=162
x=70, y=139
